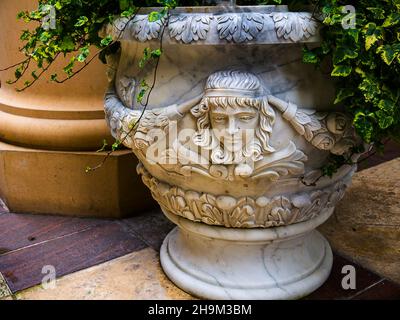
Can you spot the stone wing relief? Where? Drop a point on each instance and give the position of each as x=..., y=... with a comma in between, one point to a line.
x=126, y=86
x=326, y=131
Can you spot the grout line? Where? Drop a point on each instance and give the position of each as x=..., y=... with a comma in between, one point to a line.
x=377, y=225
x=127, y=228
x=365, y=289
x=5, y=291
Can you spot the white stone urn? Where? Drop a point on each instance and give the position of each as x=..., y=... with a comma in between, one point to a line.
x=231, y=144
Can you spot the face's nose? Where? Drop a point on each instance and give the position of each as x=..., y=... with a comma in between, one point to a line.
x=232, y=128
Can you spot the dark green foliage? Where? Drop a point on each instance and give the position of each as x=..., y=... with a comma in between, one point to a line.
x=366, y=63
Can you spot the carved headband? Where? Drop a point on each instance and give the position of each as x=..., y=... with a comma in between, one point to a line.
x=232, y=93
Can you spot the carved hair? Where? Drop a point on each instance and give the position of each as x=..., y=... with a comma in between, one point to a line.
x=234, y=79
x=242, y=82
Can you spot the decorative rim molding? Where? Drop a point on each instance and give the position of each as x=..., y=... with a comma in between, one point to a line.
x=244, y=212
x=214, y=28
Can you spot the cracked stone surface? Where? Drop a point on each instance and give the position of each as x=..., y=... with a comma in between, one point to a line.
x=366, y=225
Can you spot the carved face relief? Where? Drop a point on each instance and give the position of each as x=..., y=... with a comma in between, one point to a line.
x=234, y=126
x=234, y=119
x=236, y=129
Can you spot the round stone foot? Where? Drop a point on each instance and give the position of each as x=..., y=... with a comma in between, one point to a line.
x=211, y=262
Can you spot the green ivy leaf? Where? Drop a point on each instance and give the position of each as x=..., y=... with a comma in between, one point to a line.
x=388, y=53
x=84, y=53
x=155, y=53
x=354, y=33
x=342, y=94
x=341, y=71
x=106, y=41
x=81, y=21
x=309, y=56
x=384, y=120
x=67, y=44
x=379, y=13
x=155, y=16
x=370, y=88
x=364, y=126
x=387, y=105
x=372, y=34
x=129, y=12
x=116, y=145
x=344, y=53
x=392, y=20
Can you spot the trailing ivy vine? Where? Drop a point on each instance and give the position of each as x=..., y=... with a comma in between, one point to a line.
x=363, y=59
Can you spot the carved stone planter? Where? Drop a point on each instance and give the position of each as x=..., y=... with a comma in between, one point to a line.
x=230, y=146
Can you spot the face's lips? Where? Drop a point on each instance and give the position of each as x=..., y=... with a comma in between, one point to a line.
x=233, y=139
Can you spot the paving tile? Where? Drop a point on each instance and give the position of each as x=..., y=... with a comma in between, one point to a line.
x=23, y=268
x=22, y=230
x=384, y=290
x=392, y=151
x=332, y=288
x=4, y=290
x=366, y=223
x=151, y=227
x=132, y=277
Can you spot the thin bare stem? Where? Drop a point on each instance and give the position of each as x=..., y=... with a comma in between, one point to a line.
x=39, y=75
x=22, y=73
x=15, y=65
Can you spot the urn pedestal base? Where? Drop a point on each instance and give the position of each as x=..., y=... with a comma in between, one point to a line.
x=287, y=262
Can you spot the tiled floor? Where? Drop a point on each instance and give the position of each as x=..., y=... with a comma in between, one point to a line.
x=135, y=274
x=104, y=259
x=366, y=224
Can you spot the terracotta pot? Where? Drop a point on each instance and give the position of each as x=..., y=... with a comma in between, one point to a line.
x=49, y=134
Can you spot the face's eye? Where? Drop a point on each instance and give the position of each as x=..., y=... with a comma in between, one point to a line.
x=219, y=119
x=246, y=117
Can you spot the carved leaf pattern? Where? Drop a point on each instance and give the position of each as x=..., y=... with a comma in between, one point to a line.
x=240, y=27
x=189, y=28
x=294, y=26
x=244, y=212
x=144, y=30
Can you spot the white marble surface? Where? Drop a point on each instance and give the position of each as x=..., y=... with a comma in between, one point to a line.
x=246, y=212
x=217, y=263
x=183, y=70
